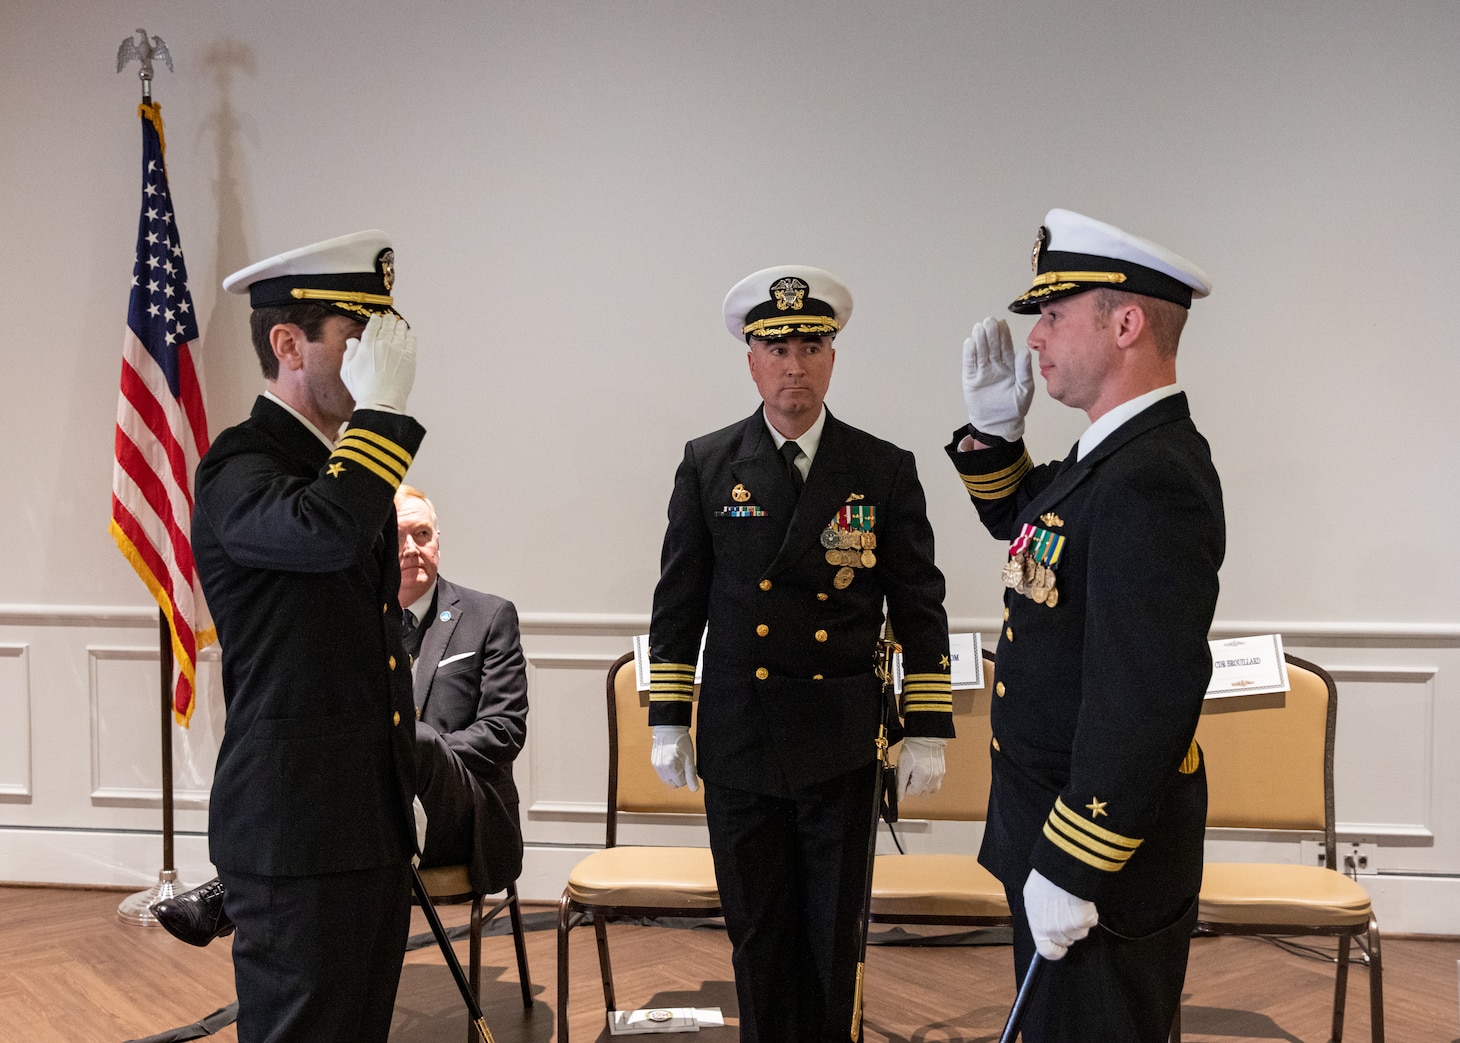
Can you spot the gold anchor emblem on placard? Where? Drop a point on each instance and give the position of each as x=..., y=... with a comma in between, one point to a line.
x=740, y=494
x=1054, y=521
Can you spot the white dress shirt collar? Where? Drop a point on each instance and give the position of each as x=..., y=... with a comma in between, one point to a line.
x=422, y=604
x=1101, y=429
x=301, y=418
x=808, y=440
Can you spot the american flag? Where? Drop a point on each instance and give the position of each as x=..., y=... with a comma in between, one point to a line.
x=162, y=426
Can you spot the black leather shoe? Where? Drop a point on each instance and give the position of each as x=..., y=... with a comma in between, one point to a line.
x=195, y=916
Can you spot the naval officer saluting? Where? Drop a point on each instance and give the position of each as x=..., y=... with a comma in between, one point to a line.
x=310, y=822
x=788, y=531
x=1097, y=807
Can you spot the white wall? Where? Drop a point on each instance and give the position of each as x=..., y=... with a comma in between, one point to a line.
x=573, y=186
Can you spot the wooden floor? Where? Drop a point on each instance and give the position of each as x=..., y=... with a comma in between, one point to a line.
x=71, y=973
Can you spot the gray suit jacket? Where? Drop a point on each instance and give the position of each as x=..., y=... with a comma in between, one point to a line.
x=471, y=686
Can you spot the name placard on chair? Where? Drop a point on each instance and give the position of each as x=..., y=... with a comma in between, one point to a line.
x=1248, y=666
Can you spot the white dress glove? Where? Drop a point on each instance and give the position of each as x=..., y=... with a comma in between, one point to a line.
x=1057, y=919
x=920, y=765
x=380, y=367
x=673, y=756
x=998, y=380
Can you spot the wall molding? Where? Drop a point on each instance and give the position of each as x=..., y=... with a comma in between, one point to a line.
x=621, y=624
x=19, y=791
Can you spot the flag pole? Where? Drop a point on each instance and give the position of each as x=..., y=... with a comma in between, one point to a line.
x=136, y=909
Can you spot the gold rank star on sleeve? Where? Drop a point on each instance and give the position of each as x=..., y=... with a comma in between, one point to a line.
x=376, y=453
x=1094, y=845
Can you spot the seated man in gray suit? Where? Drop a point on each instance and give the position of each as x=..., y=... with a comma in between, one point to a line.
x=471, y=706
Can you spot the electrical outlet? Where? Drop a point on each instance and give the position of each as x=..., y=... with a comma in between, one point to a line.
x=1355, y=857
x=1359, y=857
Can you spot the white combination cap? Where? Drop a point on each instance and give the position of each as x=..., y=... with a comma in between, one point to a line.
x=353, y=275
x=1074, y=253
x=791, y=300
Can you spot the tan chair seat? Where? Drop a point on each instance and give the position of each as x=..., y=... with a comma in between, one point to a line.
x=446, y=881
x=1308, y=896
x=935, y=885
x=646, y=876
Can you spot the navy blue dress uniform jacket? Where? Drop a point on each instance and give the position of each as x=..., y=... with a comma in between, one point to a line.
x=788, y=697
x=1097, y=780
x=296, y=550
x=471, y=686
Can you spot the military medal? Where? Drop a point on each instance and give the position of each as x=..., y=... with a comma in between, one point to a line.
x=1047, y=547
x=1013, y=571
x=848, y=539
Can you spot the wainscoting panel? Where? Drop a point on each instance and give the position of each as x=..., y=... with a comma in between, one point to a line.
x=80, y=755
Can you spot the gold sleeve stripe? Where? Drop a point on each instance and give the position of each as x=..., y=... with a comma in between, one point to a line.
x=671, y=682
x=1084, y=856
x=385, y=443
x=390, y=478
x=384, y=457
x=1090, y=828
x=1192, y=761
x=999, y=484
x=1108, y=851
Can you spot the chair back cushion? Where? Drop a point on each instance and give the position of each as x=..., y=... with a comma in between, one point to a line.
x=639, y=787
x=1265, y=756
x=964, y=796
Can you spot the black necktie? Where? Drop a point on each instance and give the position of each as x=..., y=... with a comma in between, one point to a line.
x=411, y=633
x=789, y=451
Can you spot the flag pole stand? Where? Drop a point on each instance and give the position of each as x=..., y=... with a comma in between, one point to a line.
x=136, y=909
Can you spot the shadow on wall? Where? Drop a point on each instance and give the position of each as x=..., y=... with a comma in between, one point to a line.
x=231, y=373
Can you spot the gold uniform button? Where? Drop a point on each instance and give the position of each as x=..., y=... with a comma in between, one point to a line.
x=821, y=635
x=1000, y=689
x=761, y=673
x=762, y=630
x=384, y=609
x=418, y=713
x=1009, y=633
x=816, y=677
x=765, y=584
x=392, y=662
x=823, y=597
x=997, y=746
x=396, y=718
x=1006, y=613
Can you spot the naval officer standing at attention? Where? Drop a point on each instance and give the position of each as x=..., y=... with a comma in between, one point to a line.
x=1098, y=802
x=310, y=822
x=788, y=531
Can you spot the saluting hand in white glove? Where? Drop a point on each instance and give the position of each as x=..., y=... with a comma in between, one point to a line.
x=1057, y=919
x=673, y=756
x=920, y=765
x=380, y=367
x=998, y=380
